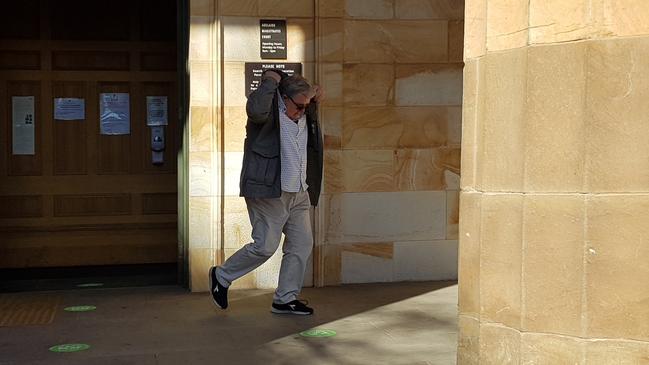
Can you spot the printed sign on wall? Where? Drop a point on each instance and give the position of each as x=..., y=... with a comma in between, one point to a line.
x=114, y=113
x=22, y=115
x=156, y=110
x=254, y=70
x=273, y=39
x=69, y=109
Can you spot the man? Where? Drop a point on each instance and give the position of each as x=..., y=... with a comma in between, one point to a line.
x=280, y=178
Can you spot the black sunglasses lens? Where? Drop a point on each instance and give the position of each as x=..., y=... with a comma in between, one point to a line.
x=298, y=106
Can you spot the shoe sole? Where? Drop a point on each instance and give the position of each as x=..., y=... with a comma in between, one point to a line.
x=279, y=311
x=212, y=269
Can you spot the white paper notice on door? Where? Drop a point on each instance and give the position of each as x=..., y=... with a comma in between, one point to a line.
x=156, y=111
x=22, y=115
x=114, y=114
x=69, y=109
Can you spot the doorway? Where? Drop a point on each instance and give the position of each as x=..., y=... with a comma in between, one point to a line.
x=83, y=192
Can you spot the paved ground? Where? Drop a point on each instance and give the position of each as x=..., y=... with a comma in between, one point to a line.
x=402, y=323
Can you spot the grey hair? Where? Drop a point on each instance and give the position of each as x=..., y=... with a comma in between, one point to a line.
x=295, y=85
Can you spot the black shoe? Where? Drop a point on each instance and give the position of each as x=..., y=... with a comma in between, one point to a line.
x=294, y=307
x=218, y=291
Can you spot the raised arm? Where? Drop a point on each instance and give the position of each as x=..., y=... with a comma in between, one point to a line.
x=260, y=101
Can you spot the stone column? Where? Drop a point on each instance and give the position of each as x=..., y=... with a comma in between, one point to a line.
x=204, y=150
x=554, y=212
x=392, y=71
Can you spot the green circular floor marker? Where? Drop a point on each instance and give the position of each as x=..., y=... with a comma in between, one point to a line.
x=70, y=347
x=80, y=308
x=318, y=332
x=90, y=285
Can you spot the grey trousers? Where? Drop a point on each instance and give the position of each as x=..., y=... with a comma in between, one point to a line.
x=269, y=218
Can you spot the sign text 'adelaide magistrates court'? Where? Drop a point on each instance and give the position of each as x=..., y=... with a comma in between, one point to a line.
x=273, y=39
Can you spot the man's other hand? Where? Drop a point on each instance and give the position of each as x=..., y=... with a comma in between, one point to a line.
x=319, y=94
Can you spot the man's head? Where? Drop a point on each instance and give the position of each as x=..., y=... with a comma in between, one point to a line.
x=297, y=94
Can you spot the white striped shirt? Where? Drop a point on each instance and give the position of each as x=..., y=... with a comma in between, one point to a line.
x=293, y=140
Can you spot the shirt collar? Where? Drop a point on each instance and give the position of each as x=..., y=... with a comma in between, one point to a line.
x=282, y=105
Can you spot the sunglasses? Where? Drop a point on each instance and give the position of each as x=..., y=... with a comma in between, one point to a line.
x=299, y=107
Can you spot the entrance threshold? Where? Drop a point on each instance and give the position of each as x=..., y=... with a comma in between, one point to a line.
x=87, y=277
